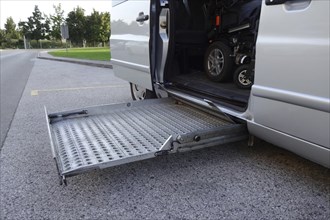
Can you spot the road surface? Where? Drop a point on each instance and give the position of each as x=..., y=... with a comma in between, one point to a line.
x=230, y=181
x=16, y=66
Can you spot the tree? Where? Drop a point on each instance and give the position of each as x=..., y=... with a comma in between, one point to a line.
x=97, y=27
x=57, y=19
x=36, y=20
x=10, y=29
x=25, y=28
x=46, y=27
x=37, y=27
x=2, y=37
x=76, y=21
x=93, y=22
x=105, y=27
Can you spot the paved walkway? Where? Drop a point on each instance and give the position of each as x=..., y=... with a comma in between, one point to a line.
x=97, y=63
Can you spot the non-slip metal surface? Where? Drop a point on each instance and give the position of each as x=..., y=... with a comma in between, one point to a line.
x=123, y=135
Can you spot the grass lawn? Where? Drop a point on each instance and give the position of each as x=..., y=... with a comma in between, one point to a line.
x=91, y=53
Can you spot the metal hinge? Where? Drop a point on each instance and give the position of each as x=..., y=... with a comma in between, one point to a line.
x=166, y=147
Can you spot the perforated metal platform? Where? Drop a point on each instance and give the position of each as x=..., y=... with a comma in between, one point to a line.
x=105, y=136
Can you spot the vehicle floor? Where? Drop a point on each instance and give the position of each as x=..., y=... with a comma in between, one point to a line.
x=197, y=81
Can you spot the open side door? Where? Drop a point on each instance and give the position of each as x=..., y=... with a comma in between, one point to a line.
x=104, y=136
x=139, y=40
x=129, y=41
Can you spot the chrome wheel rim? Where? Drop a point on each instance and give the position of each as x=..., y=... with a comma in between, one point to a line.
x=139, y=92
x=215, y=62
x=244, y=78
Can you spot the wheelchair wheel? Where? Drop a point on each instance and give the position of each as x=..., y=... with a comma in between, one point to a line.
x=243, y=76
x=217, y=62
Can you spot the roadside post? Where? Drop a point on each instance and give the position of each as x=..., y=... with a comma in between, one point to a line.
x=65, y=34
x=24, y=42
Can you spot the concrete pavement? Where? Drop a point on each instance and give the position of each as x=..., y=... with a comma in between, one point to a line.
x=16, y=66
x=224, y=182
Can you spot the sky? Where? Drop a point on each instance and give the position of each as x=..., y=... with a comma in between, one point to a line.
x=22, y=9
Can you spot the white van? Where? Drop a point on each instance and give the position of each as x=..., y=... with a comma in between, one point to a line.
x=222, y=70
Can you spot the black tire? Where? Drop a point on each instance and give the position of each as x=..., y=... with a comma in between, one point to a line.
x=243, y=77
x=140, y=93
x=217, y=62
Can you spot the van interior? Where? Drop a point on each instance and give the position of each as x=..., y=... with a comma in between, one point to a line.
x=212, y=49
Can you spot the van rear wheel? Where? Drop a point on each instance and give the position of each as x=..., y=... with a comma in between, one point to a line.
x=217, y=62
x=140, y=93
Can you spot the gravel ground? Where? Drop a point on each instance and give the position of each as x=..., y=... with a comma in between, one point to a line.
x=231, y=181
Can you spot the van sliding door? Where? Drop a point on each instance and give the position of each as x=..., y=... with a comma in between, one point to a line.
x=291, y=89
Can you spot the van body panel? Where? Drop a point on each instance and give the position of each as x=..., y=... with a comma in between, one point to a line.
x=130, y=42
x=310, y=151
x=308, y=101
x=294, y=45
x=291, y=89
x=314, y=128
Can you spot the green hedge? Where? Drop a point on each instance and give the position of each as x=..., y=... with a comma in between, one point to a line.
x=12, y=43
x=45, y=44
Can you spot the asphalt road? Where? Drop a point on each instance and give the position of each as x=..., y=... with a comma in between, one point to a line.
x=16, y=66
x=230, y=181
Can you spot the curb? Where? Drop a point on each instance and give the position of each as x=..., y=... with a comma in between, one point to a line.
x=82, y=62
